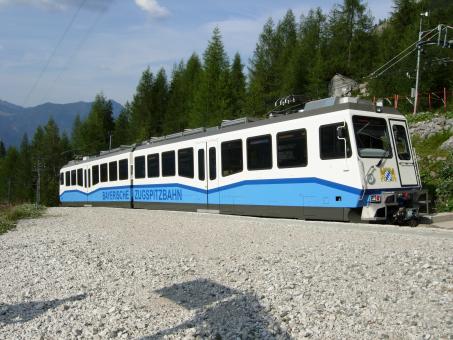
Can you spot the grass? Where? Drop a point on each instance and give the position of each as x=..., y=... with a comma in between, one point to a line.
x=9, y=215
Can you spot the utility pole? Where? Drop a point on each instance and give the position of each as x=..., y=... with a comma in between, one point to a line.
x=419, y=52
x=38, y=185
x=110, y=140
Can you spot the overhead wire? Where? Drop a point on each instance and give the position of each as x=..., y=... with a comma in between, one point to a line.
x=62, y=37
x=395, y=59
x=73, y=55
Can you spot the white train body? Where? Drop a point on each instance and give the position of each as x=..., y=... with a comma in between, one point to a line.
x=337, y=160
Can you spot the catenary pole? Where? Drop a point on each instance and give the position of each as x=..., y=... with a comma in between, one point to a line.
x=419, y=52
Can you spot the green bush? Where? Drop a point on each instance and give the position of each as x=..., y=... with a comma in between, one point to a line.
x=444, y=190
x=10, y=215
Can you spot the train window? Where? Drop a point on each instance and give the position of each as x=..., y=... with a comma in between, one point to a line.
x=68, y=178
x=402, y=145
x=168, y=163
x=153, y=165
x=292, y=149
x=113, y=171
x=80, y=177
x=332, y=147
x=104, y=176
x=372, y=137
x=61, y=178
x=85, y=178
x=212, y=164
x=95, y=169
x=185, y=163
x=231, y=157
x=73, y=177
x=123, y=166
x=259, y=152
x=201, y=171
x=140, y=170
x=89, y=178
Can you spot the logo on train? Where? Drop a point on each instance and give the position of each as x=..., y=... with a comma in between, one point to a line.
x=388, y=175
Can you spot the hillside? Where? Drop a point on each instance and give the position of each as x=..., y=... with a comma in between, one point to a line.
x=16, y=120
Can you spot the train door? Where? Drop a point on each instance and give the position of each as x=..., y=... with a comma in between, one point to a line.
x=403, y=150
x=213, y=163
x=200, y=150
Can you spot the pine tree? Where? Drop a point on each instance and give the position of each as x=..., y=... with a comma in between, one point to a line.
x=262, y=80
x=79, y=144
x=142, y=108
x=160, y=99
x=212, y=102
x=238, y=94
x=121, y=134
x=25, y=172
x=8, y=177
x=98, y=125
x=2, y=149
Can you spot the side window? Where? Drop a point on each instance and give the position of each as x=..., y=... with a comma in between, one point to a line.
x=231, y=157
x=140, y=167
x=402, y=145
x=73, y=177
x=153, y=165
x=104, y=177
x=113, y=171
x=212, y=164
x=95, y=169
x=68, y=178
x=185, y=163
x=89, y=178
x=168, y=163
x=292, y=149
x=123, y=166
x=201, y=170
x=80, y=177
x=331, y=147
x=61, y=178
x=85, y=179
x=259, y=152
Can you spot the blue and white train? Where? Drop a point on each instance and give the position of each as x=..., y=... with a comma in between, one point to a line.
x=337, y=159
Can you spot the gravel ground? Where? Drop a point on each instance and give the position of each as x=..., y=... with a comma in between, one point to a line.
x=107, y=273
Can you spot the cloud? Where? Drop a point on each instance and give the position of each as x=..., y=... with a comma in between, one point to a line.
x=153, y=8
x=60, y=5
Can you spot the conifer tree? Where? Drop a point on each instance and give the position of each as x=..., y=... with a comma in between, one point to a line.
x=212, y=102
x=238, y=94
x=25, y=172
x=262, y=79
x=2, y=149
x=160, y=99
x=121, y=134
x=142, y=108
x=98, y=125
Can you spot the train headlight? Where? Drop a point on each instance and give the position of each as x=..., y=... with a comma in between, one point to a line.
x=379, y=105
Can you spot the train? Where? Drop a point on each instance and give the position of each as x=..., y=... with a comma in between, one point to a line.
x=337, y=159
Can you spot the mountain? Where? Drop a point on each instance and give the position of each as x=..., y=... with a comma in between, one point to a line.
x=16, y=120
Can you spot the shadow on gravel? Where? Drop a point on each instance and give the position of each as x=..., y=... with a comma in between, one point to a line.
x=23, y=312
x=220, y=313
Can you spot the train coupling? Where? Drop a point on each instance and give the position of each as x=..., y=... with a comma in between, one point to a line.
x=396, y=207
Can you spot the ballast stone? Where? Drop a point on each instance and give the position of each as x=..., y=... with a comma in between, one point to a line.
x=248, y=277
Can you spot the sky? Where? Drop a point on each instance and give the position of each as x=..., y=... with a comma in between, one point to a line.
x=65, y=51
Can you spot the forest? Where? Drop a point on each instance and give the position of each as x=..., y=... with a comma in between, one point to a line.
x=293, y=55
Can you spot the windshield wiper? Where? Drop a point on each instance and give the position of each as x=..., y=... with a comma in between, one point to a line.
x=384, y=155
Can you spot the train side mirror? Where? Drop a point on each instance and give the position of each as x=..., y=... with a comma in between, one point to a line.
x=340, y=132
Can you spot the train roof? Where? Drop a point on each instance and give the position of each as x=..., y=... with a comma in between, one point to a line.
x=313, y=108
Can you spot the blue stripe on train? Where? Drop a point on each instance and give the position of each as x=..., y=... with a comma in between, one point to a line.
x=309, y=191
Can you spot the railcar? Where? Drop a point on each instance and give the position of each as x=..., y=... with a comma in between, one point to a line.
x=340, y=159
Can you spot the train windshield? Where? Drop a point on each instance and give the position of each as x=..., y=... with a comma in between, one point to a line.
x=372, y=137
